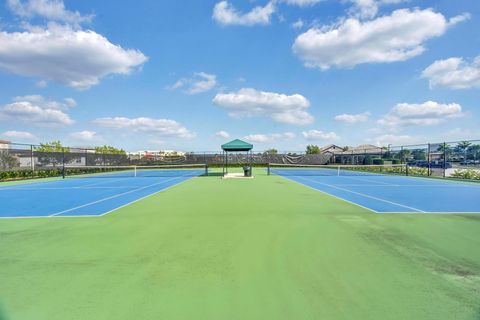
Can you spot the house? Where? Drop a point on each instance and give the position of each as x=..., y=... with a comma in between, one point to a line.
x=4, y=145
x=331, y=148
x=356, y=155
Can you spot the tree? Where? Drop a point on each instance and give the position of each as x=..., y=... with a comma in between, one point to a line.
x=368, y=160
x=312, y=149
x=404, y=154
x=51, y=153
x=419, y=154
x=108, y=155
x=7, y=161
x=270, y=152
x=445, y=148
x=54, y=146
x=109, y=150
x=462, y=147
x=474, y=151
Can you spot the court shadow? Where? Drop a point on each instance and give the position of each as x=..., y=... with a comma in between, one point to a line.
x=3, y=315
x=211, y=174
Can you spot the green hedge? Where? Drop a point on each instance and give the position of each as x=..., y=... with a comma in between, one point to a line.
x=27, y=174
x=416, y=171
x=466, y=174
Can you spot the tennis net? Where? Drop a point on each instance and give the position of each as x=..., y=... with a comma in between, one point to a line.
x=336, y=170
x=184, y=170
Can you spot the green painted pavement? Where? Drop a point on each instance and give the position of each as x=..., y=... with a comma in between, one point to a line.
x=196, y=251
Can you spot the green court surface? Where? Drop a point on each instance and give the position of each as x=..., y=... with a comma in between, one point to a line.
x=265, y=248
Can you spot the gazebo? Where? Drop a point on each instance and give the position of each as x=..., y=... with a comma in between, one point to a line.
x=236, y=146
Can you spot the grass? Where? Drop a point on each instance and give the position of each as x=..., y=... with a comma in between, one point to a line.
x=264, y=248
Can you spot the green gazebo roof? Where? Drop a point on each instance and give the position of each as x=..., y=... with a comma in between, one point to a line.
x=237, y=145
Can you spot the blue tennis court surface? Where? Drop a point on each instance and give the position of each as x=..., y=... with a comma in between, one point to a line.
x=394, y=194
x=80, y=197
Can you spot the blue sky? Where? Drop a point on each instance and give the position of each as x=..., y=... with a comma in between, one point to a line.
x=190, y=75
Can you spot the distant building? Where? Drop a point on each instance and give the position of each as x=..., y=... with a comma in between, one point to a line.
x=155, y=154
x=4, y=144
x=350, y=154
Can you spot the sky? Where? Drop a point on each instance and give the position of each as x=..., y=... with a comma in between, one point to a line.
x=191, y=75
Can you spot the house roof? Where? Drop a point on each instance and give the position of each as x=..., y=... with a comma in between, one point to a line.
x=237, y=145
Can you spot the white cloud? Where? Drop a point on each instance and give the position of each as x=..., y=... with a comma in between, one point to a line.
x=462, y=134
x=222, y=134
x=35, y=110
x=262, y=138
x=17, y=136
x=157, y=142
x=302, y=3
x=367, y=9
x=396, y=37
x=52, y=10
x=454, y=73
x=364, y=8
x=225, y=14
x=45, y=103
x=41, y=84
x=428, y=113
x=157, y=127
x=386, y=139
x=198, y=83
x=353, y=118
x=76, y=58
x=320, y=135
x=298, y=24
x=248, y=102
x=85, y=135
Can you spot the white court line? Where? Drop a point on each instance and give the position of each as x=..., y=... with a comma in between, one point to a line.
x=105, y=213
x=367, y=180
x=400, y=185
x=103, y=182
x=113, y=197
x=330, y=195
x=149, y=195
x=69, y=188
x=363, y=195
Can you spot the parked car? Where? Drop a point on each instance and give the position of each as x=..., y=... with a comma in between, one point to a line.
x=433, y=164
x=469, y=162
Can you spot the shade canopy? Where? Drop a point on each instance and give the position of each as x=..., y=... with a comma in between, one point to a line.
x=237, y=145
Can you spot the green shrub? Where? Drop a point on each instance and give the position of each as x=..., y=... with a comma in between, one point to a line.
x=378, y=161
x=28, y=174
x=466, y=174
x=415, y=171
x=368, y=160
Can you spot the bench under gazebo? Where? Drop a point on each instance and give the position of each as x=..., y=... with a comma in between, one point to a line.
x=237, y=145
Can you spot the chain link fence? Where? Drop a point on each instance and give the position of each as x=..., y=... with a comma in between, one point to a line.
x=460, y=159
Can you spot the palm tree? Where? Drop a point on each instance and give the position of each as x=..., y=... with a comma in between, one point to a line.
x=404, y=155
x=463, y=147
x=474, y=150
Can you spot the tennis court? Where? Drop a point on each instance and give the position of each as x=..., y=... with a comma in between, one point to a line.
x=389, y=192
x=93, y=192
x=211, y=248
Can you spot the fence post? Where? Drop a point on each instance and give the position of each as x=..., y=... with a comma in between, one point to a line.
x=428, y=161
x=32, y=161
x=63, y=162
x=444, y=159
